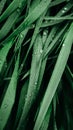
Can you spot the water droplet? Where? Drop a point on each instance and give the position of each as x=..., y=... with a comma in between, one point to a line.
x=21, y=35
x=41, y=51
x=63, y=44
x=21, y=65
x=65, y=8
x=35, y=83
x=63, y=11
x=44, y=33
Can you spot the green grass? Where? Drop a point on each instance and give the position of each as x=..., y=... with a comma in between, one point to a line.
x=36, y=53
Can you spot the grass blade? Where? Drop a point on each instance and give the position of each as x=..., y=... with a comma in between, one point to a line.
x=34, y=74
x=3, y=53
x=9, y=97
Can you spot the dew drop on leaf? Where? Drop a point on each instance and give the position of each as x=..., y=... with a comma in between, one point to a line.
x=63, y=44
x=41, y=51
x=65, y=8
x=35, y=83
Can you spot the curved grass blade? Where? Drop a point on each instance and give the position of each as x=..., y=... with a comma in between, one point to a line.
x=55, y=78
x=34, y=74
x=21, y=38
x=36, y=31
x=9, y=97
x=3, y=53
x=53, y=43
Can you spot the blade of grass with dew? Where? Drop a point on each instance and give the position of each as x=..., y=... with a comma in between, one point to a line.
x=53, y=43
x=12, y=7
x=39, y=10
x=65, y=9
x=52, y=33
x=62, y=11
x=38, y=24
x=34, y=74
x=36, y=31
x=50, y=37
x=21, y=102
x=55, y=78
x=59, y=18
x=3, y=53
x=46, y=120
x=44, y=61
x=2, y=4
x=21, y=38
x=9, y=97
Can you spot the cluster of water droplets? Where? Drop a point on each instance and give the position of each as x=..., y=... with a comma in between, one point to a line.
x=38, y=53
x=64, y=9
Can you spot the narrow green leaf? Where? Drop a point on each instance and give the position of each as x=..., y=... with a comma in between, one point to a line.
x=53, y=43
x=3, y=53
x=9, y=97
x=46, y=120
x=34, y=74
